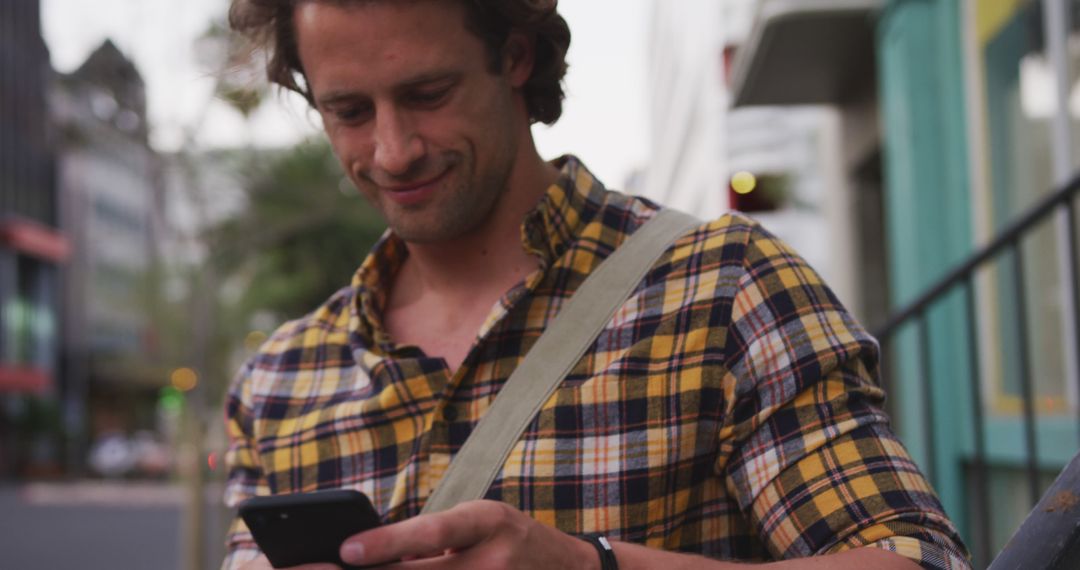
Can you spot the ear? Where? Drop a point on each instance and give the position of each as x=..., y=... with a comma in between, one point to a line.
x=519, y=56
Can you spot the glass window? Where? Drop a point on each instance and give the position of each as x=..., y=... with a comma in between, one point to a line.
x=29, y=320
x=1018, y=93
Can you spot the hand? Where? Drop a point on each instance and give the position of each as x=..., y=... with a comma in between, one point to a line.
x=261, y=563
x=476, y=535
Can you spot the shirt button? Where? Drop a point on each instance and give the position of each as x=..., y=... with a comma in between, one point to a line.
x=449, y=413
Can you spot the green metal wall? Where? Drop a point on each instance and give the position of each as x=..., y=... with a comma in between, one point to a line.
x=927, y=209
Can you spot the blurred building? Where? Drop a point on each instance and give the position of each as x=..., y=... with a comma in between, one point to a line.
x=110, y=181
x=700, y=143
x=834, y=216
x=32, y=248
x=686, y=115
x=955, y=118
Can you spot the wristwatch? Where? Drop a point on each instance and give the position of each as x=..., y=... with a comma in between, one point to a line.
x=603, y=547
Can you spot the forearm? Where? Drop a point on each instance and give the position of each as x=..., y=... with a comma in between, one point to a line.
x=637, y=557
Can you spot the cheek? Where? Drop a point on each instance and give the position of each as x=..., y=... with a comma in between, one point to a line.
x=350, y=148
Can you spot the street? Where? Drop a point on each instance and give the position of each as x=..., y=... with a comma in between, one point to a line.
x=99, y=526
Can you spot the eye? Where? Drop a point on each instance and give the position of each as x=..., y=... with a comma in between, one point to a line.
x=353, y=113
x=428, y=98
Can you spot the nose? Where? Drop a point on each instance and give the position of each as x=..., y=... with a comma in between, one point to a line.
x=397, y=144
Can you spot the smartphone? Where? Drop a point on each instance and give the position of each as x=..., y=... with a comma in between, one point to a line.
x=303, y=528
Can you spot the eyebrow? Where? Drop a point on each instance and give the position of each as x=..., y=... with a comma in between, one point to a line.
x=428, y=78
x=342, y=96
x=335, y=97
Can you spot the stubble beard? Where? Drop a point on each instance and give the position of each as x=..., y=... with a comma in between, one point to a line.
x=458, y=209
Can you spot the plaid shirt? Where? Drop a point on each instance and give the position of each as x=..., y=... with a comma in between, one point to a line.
x=728, y=408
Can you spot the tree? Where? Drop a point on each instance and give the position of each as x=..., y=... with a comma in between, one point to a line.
x=303, y=235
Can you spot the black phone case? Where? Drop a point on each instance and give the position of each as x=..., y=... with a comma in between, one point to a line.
x=303, y=528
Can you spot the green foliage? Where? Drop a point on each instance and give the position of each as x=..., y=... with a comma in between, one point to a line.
x=304, y=233
x=245, y=101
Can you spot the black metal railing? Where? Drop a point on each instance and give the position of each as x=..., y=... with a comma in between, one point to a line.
x=1049, y=539
x=962, y=278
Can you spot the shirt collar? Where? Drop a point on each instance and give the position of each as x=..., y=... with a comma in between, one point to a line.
x=546, y=232
x=567, y=206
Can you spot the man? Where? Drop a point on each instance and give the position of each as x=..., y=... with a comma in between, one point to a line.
x=726, y=413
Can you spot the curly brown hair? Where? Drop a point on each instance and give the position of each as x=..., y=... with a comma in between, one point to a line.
x=269, y=24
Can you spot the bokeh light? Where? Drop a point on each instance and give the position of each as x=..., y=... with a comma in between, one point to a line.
x=743, y=182
x=184, y=379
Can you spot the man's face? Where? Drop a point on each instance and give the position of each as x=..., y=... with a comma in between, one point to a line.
x=421, y=125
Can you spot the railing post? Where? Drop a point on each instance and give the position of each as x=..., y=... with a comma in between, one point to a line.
x=978, y=462
x=1074, y=289
x=927, y=398
x=1026, y=389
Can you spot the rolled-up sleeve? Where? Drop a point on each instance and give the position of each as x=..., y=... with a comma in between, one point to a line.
x=808, y=452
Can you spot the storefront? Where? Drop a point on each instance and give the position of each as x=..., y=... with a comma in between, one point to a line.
x=975, y=106
x=31, y=249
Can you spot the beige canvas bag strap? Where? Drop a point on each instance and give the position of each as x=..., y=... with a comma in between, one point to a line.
x=555, y=353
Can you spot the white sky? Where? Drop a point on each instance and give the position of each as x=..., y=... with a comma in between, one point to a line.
x=604, y=119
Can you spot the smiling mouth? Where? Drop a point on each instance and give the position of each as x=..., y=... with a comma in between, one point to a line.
x=417, y=185
x=413, y=193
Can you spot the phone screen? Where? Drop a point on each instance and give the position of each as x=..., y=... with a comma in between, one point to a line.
x=304, y=528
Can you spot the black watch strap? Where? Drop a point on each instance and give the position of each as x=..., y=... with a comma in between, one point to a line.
x=603, y=547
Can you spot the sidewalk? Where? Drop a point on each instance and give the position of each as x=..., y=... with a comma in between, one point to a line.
x=112, y=494
x=95, y=525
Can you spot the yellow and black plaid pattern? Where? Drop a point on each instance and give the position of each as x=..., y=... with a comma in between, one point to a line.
x=728, y=408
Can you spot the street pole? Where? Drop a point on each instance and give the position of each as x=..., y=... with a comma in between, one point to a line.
x=203, y=294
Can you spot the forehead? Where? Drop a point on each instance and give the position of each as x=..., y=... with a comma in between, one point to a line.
x=381, y=41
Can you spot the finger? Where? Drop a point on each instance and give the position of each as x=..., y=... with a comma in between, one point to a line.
x=450, y=561
x=261, y=563
x=426, y=535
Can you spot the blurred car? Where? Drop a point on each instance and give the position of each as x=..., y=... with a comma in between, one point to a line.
x=112, y=455
x=153, y=458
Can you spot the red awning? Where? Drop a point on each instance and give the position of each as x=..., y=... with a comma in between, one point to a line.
x=35, y=239
x=24, y=380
